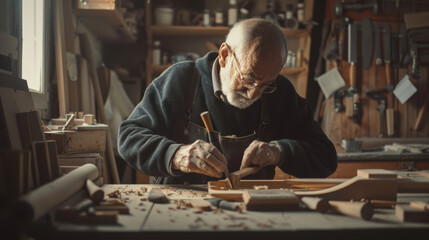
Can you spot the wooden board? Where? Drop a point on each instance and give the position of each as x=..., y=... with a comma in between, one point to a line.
x=29, y=128
x=356, y=188
x=376, y=173
x=14, y=98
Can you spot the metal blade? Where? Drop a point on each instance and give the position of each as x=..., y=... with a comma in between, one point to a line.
x=352, y=38
x=367, y=42
x=377, y=40
x=387, y=47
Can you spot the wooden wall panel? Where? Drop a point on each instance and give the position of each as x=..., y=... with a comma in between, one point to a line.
x=337, y=126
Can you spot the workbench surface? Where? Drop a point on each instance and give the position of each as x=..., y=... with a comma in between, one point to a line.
x=174, y=219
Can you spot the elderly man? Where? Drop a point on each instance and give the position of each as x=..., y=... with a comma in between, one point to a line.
x=256, y=113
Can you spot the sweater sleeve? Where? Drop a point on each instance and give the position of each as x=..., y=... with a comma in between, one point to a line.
x=143, y=140
x=306, y=150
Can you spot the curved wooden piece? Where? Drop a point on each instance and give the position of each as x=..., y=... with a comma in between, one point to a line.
x=357, y=188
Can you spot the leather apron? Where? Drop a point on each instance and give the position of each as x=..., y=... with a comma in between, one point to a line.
x=232, y=147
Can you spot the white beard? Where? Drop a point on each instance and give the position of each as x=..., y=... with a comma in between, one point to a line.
x=237, y=99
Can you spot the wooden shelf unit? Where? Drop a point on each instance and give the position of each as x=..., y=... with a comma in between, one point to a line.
x=107, y=25
x=298, y=76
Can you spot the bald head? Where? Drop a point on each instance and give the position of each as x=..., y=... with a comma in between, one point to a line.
x=260, y=37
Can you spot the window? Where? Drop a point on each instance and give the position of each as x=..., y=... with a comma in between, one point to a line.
x=33, y=44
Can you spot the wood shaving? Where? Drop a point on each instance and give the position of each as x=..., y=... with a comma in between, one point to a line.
x=143, y=189
x=115, y=194
x=143, y=199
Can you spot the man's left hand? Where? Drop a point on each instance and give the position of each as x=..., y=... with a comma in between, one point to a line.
x=261, y=154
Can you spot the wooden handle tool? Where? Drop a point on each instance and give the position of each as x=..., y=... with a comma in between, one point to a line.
x=362, y=210
x=209, y=127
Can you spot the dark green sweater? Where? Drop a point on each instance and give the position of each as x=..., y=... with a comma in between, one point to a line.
x=144, y=138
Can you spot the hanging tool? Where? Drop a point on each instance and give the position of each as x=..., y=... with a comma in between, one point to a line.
x=405, y=57
x=387, y=58
x=339, y=8
x=366, y=27
x=421, y=112
x=381, y=107
x=212, y=139
x=378, y=60
x=352, y=100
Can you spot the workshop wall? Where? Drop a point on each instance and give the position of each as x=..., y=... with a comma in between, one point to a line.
x=336, y=124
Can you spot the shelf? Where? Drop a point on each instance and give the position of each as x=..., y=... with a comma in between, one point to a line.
x=211, y=31
x=107, y=25
x=158, y=69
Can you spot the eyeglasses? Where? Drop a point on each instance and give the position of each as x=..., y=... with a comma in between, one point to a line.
x=267, y=87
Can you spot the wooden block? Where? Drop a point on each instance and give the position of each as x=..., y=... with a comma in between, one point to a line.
x=362, y=210
x=96, y=194
x=376, y=173
x=112, y=205
x=270, y=200
x=315, y=203
x=157, y=196
x=420, y=205
x=201, y=204
x=406, y=213
x=424, y=173
x=89, y=119
x=238, y=175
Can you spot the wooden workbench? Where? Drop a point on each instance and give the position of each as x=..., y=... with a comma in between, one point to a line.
x=147, y=220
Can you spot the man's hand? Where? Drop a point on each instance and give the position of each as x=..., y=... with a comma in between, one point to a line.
x=261, y=154
x=200, y=157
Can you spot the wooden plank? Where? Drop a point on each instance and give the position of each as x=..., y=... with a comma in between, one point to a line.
x=376, y=173
x=87, y=90
x=12, y=173
x=60, y=59
x=13, y=101
x=29, y=128
x=88, y=53
x=42, y=158
x=53, y=159
x=406, y=213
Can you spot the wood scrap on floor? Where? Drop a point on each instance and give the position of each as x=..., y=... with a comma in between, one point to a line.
x=157, y=196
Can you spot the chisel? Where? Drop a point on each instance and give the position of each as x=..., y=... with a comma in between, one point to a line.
x=212, y=136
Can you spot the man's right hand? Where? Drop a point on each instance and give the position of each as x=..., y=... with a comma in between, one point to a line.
x=200, y=157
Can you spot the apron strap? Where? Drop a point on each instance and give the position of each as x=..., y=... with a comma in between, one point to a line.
x=192, y=96
x=265, y=115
